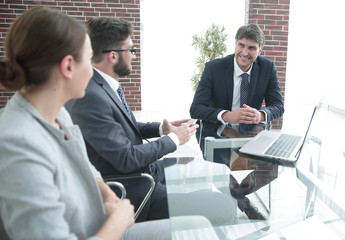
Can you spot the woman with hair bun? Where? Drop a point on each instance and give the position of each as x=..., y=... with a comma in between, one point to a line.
x=49, y=189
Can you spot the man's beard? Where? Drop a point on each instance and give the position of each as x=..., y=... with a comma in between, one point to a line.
x=121, y=68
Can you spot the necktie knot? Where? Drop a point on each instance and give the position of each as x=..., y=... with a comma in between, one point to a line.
x=245, y=76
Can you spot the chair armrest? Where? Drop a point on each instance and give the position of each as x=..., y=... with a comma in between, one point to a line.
x=111, y=178
x=120, y=186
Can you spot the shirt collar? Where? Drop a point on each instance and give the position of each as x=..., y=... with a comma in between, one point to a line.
x=238, y=71
x=111, y=81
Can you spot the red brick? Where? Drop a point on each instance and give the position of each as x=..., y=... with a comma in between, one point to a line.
x=103, y=5
x=283, y=22
x=266, y=11
x=69, y=8
x=269, y=1
x=7, y=15
x=273, y=6
x=73, y=14
x=273, y=27
x=271, y=43
x=86, y=9
x=82, y=4
x=13, y=2
x=281, y=43
x=283, y=12
x=266, y=22
x=116, y=6
x=100, y=9
x=91, y=14
x=257, y=16
x=286, y=2
x=273, y=17
x=280, y=38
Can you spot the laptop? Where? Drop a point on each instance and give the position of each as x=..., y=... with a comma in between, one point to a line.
x=277, y=145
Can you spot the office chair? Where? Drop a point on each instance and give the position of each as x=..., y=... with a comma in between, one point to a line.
x=109, y=179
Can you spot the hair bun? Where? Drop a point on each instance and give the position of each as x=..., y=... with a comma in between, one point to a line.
x=12, y=75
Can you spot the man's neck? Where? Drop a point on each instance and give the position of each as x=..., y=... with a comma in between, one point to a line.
x=107, y=70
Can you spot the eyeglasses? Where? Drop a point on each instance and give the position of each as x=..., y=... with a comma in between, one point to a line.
x=132, y=50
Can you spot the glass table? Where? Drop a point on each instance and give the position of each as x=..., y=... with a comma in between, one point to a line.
x=242, y=197
x=322, y=169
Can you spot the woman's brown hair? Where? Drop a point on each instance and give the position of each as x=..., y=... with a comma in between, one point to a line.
x=38, y=40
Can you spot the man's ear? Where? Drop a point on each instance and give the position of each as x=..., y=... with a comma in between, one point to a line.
x=112, y=57
x=66, y=66
x=260, y=51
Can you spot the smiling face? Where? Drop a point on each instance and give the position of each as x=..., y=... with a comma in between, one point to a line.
x=246, y=52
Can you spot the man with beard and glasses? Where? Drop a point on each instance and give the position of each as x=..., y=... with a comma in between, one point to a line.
x=113, y=137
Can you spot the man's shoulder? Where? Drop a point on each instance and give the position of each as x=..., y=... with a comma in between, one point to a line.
x=92, y=86
x=222, y=62
x=96, y=81
x=264, y=60
x=227, y=58
x=95, y=87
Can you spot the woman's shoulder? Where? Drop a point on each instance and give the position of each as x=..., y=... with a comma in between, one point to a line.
x=23, y=134
x=16, y=121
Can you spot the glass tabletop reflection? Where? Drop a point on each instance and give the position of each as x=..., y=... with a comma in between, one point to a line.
x=252, y=199
x=241, y=197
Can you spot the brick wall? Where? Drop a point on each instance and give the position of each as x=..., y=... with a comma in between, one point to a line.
x=273, y=18
x=82, y=10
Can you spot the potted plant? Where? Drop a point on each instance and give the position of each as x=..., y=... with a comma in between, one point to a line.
x=211, y=45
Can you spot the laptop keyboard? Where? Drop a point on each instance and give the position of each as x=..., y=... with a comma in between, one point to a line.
x=283, y=145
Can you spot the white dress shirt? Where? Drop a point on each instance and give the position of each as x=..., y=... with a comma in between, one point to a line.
x=236, y=90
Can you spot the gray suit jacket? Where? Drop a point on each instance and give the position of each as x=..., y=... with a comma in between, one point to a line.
x=48, y=188
x=114, y=140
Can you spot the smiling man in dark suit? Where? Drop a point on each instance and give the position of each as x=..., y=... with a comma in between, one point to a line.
x=232, y=90
x=222, y=95
x=113, y=137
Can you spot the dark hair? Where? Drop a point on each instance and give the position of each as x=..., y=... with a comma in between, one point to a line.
x=251, y=31
x=39, y=39
x=107, y=33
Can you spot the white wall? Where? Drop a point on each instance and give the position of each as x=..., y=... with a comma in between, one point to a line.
x=168, y=58
x=315, y=52
x=315, y=56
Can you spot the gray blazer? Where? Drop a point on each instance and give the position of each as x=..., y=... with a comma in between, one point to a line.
x=48, y=188
x=114, y=141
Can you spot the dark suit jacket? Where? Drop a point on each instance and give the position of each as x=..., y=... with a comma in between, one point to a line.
x=215, y=90
x=114, y=141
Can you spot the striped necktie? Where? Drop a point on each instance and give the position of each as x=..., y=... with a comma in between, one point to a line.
x=123, y=99
x=244, y=97
x=244, y=89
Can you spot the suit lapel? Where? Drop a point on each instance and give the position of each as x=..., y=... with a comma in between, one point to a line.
x=230, y=79
x=253, y=81
x=101, y=82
